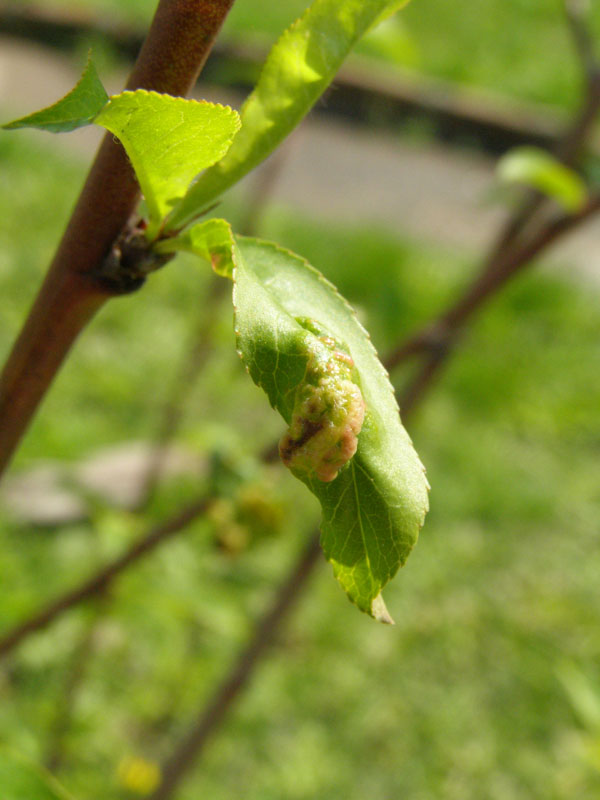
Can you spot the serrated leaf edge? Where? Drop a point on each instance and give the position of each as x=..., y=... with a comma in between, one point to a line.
x=178, y=99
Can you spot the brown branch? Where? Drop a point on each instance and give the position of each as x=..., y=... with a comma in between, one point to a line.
x=433, y=339
x=451, y=324
x=577, y=13
x=437, y=337
x=192, y=744
x=101, y=581
x=574, y=137
x=175, y=50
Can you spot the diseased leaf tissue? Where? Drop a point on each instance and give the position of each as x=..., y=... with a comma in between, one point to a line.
x=328, y=412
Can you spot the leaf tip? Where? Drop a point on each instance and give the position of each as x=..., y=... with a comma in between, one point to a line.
x=379, y=611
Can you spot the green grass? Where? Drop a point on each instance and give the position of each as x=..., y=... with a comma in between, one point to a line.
x=513, y=47
x=462, y=698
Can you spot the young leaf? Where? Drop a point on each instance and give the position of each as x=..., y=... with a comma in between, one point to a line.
x=21, y=780
x=169, y=140
x=75, y=110
x=303, y=345
x=540, y=170
x=298, y=69
x=211, y=240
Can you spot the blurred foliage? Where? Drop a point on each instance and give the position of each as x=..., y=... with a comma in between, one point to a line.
x=462, y=699
x=508, y=46
x=538, y=169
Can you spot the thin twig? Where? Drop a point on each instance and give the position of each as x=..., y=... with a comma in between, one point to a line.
x=577, y=13
x=211, y=716
x=569, y=145
x=437, y=337
x=451, y=324
x=432, y=339
x=102, y=580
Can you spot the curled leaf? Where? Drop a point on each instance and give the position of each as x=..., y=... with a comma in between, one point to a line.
x=303, y=345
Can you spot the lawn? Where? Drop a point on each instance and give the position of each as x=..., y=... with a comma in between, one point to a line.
x=476, y=693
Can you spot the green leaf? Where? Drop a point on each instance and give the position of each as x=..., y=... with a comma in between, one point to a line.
x=540, y=170
x=299, y=68
x=211, y=240
x=22, y=780
x=169, y=140
x=583, y=694
x=75, y=110
x=292, y=327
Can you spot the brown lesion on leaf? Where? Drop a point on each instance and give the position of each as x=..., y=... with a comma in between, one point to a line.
x=288, y=446
x=328, y=412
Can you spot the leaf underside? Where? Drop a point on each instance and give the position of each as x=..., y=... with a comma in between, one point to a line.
x=76, y=109
x=373, y=510
x=297, y=71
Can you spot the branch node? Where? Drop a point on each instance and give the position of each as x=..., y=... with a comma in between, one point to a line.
x=130, y=260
